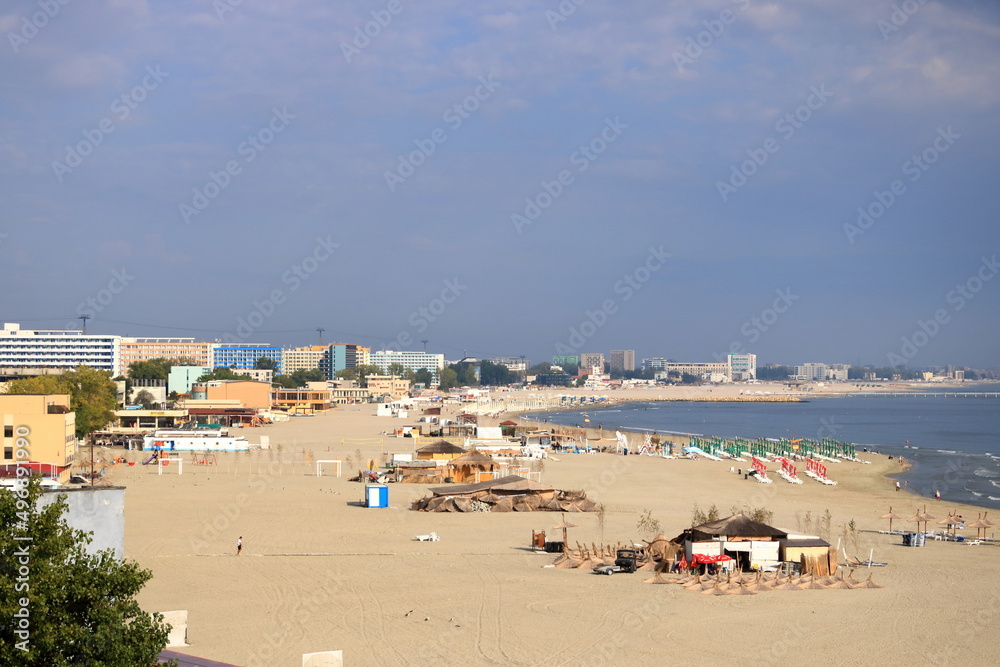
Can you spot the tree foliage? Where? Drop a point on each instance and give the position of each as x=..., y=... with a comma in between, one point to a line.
x=223, y=373
x=81, y=607
x=266, y=364
x=496, y=375
x=93, y=395
x=156, y=369
x=449, y=379
x=145, y=399
x=359, y=373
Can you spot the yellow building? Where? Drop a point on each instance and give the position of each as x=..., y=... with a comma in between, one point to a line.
x=41, y=425
x=302, y=358
x=144, y=349
x=381, y=385
x=302, y=401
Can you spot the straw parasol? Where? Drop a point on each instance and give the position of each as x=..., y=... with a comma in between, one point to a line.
x=916, y=519
x=980, y=524
x=951, y=522
x=925, y=516
x=890, y=516
x=564, y=524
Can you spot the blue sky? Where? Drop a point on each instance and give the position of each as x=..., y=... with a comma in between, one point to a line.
x=218, y=154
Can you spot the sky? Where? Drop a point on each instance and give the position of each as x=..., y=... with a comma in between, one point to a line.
x=807, y=181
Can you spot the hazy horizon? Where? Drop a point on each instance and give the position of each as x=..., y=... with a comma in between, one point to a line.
x=802, y=181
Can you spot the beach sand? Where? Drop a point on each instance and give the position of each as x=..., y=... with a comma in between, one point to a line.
x=318, y=572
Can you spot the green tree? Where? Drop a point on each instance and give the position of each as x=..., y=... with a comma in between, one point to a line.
x=543, y=367
x=93, y=395
x=304, y=375
x=266, y=364
x=449, y=379
x=285, y=381
x=424, y=376
x=145, y=399
x=496, y=375
x=223, y=373
x=81, y=607
x=466, y=374
x=153, y=369
x=359, y=373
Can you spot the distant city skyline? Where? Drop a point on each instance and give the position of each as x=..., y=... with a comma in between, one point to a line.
x=803, y=182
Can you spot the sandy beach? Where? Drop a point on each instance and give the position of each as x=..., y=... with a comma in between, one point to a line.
x=319, y=572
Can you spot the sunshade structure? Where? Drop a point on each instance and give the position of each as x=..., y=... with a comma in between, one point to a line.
x=746, y=540
x=442, y=449
x=981, y=525
x=891, y=516
x=564, y=525
x=925, y=516
x=951, y=522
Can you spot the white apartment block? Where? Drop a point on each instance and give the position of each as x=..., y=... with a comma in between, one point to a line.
x=411, y=360
x=516, y=364
x=57, y=348
x=655, y=364
x=742, y=367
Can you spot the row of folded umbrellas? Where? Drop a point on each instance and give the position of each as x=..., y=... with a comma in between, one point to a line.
x=952, y=522
x=761, y=582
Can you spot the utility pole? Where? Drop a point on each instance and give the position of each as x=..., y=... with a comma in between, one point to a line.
x=425, y=341
x=84, y=318
x=320, y=330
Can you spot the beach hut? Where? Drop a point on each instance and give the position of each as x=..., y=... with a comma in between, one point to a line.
x=508, y=428
x=473, y=466
x=438, y=451
x=812, y=553
x=750, y=543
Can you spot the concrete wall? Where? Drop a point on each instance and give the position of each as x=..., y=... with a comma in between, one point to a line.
x=99, y=510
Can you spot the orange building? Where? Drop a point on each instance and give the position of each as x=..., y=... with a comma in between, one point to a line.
x=42, y=426
x=250, y=394
x=144, y=349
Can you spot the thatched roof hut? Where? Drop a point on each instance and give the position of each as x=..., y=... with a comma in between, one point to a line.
x=465, y=467
x=735, y=527
x=442, y=449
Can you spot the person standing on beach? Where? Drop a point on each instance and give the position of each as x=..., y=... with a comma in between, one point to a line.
x=239, y=545
x=937, y=495
x=897, y=485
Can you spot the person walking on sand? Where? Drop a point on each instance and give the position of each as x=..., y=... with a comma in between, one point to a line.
x=937, y=495
x=897, y=486
x=239, y=545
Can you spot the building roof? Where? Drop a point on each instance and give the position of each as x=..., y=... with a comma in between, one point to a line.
x=509, y=484
x=441, y=447
x=473, y=458
x=803, y=542
x=737, y=525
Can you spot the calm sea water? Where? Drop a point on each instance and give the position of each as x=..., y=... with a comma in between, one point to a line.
x=953, y=443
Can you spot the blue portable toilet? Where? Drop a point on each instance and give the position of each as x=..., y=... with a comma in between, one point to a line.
x=377, y=495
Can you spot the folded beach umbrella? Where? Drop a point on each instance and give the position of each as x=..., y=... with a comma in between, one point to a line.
x=868, y=583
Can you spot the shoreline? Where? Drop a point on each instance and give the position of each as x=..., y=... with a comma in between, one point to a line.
x=636, y=437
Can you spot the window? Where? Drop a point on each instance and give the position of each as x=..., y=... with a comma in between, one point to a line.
x=8, y=431
x=8, y=452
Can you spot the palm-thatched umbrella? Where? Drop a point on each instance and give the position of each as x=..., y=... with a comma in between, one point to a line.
x=926, y=516
x=890, y=516
x=713, y=590
x=916, y=518
x=980, y=525
x=564, y=524
x=951, y=522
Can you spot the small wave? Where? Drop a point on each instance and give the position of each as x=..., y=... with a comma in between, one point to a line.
x=995, y=483
x=947, y=451
x=983, y=472
x=977, y=495
x=993, y=498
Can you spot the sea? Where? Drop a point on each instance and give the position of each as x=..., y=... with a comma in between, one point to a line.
x=953, y=441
